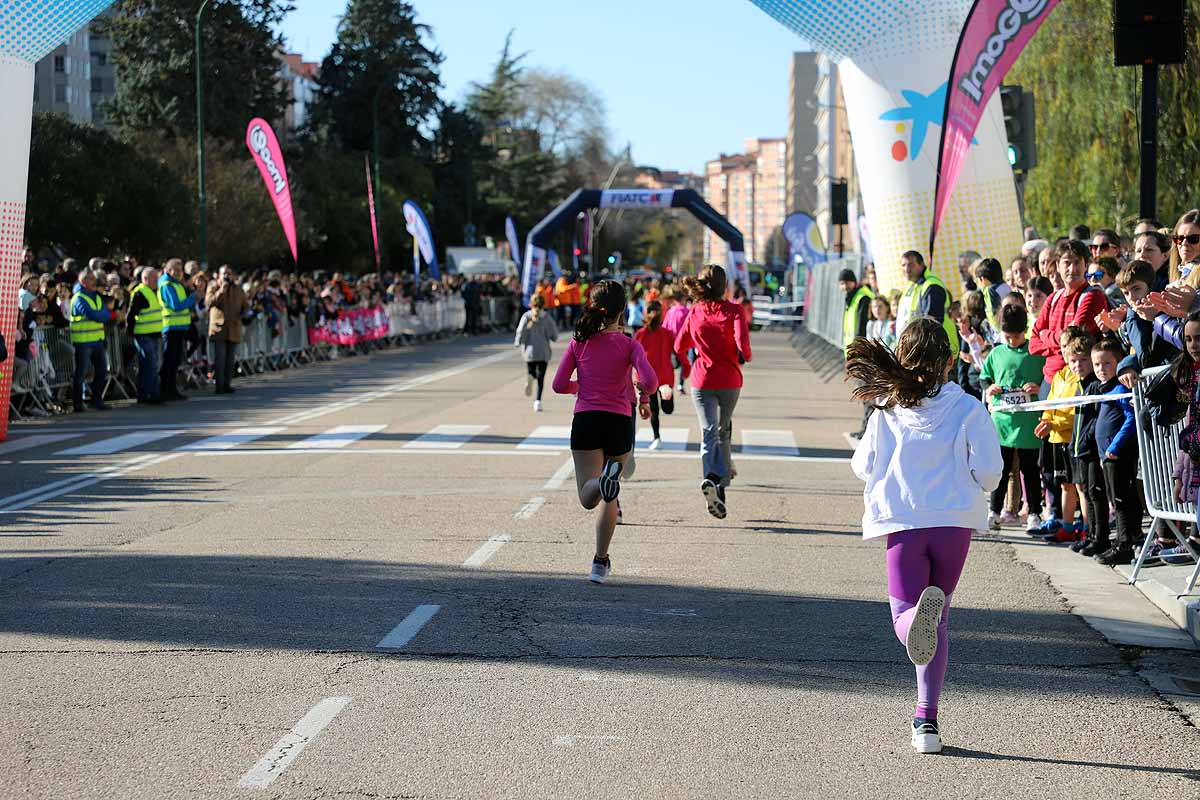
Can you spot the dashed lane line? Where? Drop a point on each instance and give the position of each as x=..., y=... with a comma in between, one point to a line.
x=287, y=749
x=487, y=550
x=530, y=508
x=403, y=633
x=560, y=477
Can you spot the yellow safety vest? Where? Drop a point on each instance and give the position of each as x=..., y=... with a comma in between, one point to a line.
x=174, y=319
x=149, y=320
x=917, y=291
x=989, y=309
x=850, y=315
x=84, y=330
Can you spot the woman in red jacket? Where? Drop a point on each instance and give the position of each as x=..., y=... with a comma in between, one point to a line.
x=717, y=330
x=658, y=343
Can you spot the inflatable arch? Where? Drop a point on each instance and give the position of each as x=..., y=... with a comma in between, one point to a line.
x=538, y=241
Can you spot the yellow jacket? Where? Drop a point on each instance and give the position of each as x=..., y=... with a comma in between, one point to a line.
x=1062, y=420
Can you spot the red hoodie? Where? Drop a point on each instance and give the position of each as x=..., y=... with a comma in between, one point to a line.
x=718, y=332
x=1065, y=307
x=657, y=344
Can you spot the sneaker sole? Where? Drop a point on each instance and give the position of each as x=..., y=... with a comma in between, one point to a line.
x=715, y=506
x=610, y=481
x=927, y=743
x=921, y=643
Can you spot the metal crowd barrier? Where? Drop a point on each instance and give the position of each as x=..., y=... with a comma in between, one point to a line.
x=1158, y=448
x=824, y=301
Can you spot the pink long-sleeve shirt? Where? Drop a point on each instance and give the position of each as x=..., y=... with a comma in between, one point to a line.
x=602, y=365
x=718, y=332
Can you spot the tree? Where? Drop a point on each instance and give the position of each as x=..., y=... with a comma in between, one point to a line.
x=154, y=53
x=661, y=240
x=568, y=115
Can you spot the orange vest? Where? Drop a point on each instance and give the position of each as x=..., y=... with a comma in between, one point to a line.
x=567, y=293
x=547, y=294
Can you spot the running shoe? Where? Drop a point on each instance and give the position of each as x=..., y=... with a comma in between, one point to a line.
x=610, y=481
x=1114, y=556
x=925, y=736
x=1153, y=554
x=1177, y=555
x=537, y=406
x=600, y=570
x=921, y=642
x=1066, y=534
x=654, y=445
x=1033, y=524
x=714, y=496
x=993, y=521
x=1008, y=518
x=528, y=385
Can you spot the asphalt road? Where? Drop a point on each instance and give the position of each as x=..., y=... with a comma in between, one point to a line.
x=310, y=589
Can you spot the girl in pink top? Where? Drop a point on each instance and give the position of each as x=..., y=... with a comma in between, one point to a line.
x=677, y=311
x=601, y=356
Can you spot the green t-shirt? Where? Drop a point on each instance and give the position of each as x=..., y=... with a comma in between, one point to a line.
x=1010, y=368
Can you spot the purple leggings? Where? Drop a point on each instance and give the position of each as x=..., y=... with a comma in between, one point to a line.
x=916, y=560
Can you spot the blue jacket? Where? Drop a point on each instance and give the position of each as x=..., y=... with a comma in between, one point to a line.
x=79, y=308
x=1116, y=431
x=170, y=299
x=1149, y=349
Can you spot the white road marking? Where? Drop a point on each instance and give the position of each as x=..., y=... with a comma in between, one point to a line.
x=560, y=477
x=769, y=443
x=285, y=751
x=117, y=444
x=36, y=440
x=547, y=437
x=672, y=438
x=228, y=441
x=531, y=508
x=446, y=437
x=335, y=438
x=403, y=633
x=403, y=386
x=199, y=426
x=23, y=500
x=487, y=550
x=380, y=451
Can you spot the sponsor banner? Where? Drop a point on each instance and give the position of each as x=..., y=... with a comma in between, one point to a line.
x=738, y=271
x=416, y=224
x=636, y=198
x=351, y=326
x=371, y=204
x=261, y=141
x=995, y=33
x=514, y=247
x=535, y=266
x=555, y=266
x=804, y=238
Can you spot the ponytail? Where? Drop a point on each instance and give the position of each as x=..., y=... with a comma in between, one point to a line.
x=606, y=302
x=905, y=378
x=654, y=315
x=708, y=285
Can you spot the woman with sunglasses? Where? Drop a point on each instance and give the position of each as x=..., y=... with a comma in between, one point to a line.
x=1179, y=299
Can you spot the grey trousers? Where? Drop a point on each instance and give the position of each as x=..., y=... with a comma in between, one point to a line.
x=224, y=356
x=714, y=407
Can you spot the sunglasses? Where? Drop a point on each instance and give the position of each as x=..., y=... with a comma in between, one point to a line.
x=1191, y=238
x=1100, y=246
x=1094, y=275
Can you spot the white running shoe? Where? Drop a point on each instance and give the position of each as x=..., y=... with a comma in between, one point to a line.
x=1033, y=523
x=925, y=737
x=537, y=406
x=528, y=385
x=600, y=570
x=714, y=497
x=993, y=521
x=922, y=638
x=610, y=481
x=657, y=443
x=665, y=392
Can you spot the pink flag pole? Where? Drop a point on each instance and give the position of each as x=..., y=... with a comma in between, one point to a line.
x=371, y=205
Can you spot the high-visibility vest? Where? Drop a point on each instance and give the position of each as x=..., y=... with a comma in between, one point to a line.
x=913, y=295
x=850, y=315
x=84, y=330
x=150, y=319
x=989, y=308
x=174, y=319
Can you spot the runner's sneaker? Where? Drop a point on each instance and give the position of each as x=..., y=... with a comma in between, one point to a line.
x=1153, y=554
x=528, y=385
x=610, y=481
x=1177, y=555
x=654, y=445
x=1008, y=518
x=714, y=496
x=1033, y=524
x=993, y=521
x=922, y=640
x=925, y=736
x=600, y=570
x=537, y=406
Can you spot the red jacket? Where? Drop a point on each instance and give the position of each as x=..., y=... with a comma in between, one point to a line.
x=1065, y=307
x=718, y=332
x=658, y=343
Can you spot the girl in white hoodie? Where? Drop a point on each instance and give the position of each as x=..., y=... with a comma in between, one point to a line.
x=929, y=457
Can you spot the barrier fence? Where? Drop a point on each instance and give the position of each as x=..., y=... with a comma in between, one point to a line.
x=824, y=301
x=42, y=384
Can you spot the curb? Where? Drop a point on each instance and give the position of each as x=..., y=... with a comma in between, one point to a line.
x=1163, y=585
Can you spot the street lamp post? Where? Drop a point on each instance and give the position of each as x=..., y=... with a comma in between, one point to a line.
x=203, y=200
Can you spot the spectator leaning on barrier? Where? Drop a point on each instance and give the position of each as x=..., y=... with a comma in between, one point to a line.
x=227, y=305
x=1075, y=304
x=926, y=296
x=88, y=315
x=177, y=319
x=145, y=322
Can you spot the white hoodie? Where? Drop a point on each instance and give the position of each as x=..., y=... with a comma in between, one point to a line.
x=929, y=466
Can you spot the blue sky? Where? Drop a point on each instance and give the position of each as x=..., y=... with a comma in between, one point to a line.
x=683, y=80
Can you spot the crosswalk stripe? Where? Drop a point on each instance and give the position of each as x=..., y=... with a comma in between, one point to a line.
x=37, y=440
x=117, y=444
x=228, y=441
x=769, y=443
x=547, y=437
x=447, y=437
x=672, y=438
x=335, y=438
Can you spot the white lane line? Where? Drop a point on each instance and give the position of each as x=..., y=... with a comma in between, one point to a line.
x=381, y=451
x=36, y=440
x=672, y=438
x=769, y=442
x=754, y=457
x=387, y=391
x=285, y=751
x=83, y=430
x=446, y=437
x=403, y=633
x=530, y=508
x=487, y=550
x=24, y=500
x=117, y=444
x=559, y=478
x=335, y=438
x=228, y=441
x=547, y=437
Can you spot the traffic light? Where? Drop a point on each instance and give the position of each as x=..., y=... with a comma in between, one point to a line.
x=612, y=259
x=578, y=251
x=1017, y=105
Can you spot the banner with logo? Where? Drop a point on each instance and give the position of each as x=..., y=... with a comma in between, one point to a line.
x=371, y=204
x=636, y=198
x=803, y=236
x=535, y=266
x=261, y=141
x=891, y=66
x=738, y=271
x=995, y=33
x=418, y=227
x=555, y=265
x=514, y=247
x=351, y=326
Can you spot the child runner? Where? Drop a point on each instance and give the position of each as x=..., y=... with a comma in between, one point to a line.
x=927, y=457
x=602, y=430
x=718, y=332
x=535, y=332
x=658, y=343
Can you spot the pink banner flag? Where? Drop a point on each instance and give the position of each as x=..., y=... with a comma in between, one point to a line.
x=265, y=149
x=371, y=204
x=994, y=34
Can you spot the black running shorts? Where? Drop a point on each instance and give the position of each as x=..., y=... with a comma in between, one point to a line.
x=602, y=430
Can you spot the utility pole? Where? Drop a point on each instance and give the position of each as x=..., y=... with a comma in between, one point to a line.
x=1149, y=182
x=203, y=200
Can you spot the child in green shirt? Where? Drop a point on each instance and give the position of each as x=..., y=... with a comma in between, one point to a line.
x=1011, y=376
